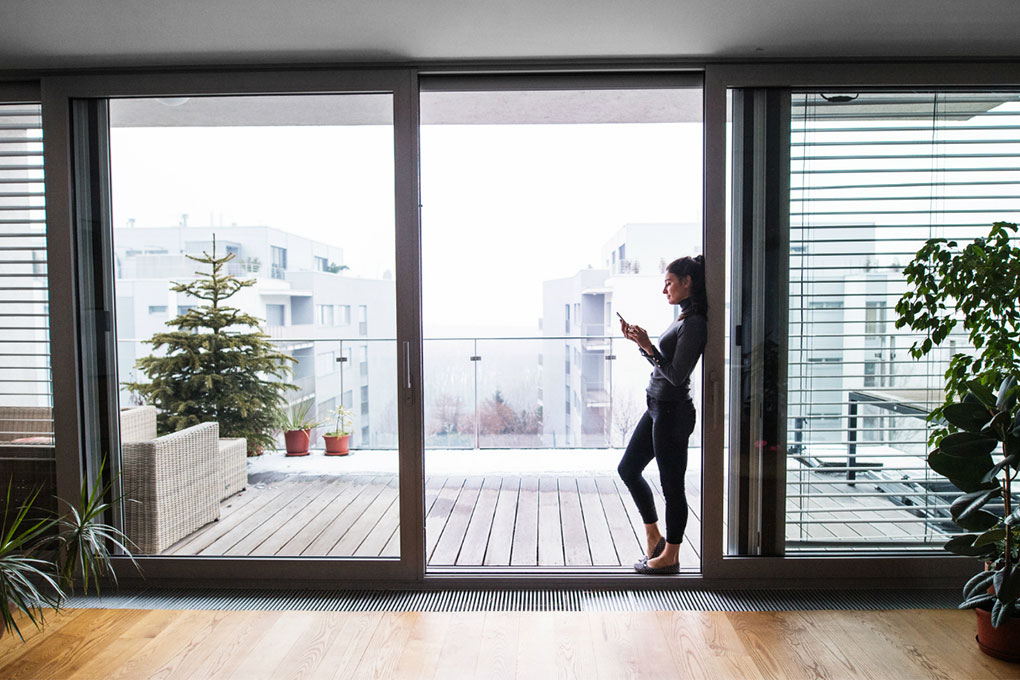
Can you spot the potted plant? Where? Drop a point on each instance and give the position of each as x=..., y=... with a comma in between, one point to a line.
x=337, y=441
x=977, y=435
x=42, y=557
x=28, y=584
x=296, y=426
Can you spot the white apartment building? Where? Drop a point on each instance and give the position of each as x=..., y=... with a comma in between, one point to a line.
x=339, y=328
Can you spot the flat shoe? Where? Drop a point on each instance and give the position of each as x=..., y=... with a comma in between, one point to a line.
x=657, y=550
x=643, y=568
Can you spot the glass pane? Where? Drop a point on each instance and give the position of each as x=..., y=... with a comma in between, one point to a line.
x=291, y=366
x=545, y=213
x=450, y=395
x=873, y=175
x=26, y=391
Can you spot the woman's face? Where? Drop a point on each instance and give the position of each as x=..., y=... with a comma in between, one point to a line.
x=676, y=289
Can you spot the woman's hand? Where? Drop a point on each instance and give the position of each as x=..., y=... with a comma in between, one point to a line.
x=640, y=336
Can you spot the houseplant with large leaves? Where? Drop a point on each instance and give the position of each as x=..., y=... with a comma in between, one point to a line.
x=977, y=430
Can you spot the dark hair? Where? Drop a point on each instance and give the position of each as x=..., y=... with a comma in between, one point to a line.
x=695, y=268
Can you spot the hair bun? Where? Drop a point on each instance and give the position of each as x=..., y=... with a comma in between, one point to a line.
x=700, y=259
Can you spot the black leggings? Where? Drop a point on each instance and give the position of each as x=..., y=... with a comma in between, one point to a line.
x=662, y=434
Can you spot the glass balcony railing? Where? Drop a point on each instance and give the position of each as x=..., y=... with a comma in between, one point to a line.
x=535, y=392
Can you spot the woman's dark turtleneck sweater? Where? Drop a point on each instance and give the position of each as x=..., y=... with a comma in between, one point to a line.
x=680, y=347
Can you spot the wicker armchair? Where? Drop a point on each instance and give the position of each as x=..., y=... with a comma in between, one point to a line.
x=233, y=466
x=173, y=478
x=139, y=424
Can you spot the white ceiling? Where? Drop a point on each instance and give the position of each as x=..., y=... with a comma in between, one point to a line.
x=87, y=33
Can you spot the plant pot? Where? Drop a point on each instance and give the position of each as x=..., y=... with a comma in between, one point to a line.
x=1002, y=642
x=337, y=446
x=297, y=442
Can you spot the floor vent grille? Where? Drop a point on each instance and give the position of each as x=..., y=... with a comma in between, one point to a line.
x=516, y=600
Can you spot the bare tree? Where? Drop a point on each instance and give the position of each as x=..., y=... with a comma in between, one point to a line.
x=448, y=415
x=627, y=410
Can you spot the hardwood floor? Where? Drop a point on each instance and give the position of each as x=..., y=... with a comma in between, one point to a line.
x=284, y=645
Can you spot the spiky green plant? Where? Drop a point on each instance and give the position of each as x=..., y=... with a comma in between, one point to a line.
x=27, y=584
x=84, y=539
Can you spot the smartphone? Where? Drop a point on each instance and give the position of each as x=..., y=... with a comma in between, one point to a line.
x=621, y=318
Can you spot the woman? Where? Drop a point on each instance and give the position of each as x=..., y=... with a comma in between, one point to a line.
x=664, y=429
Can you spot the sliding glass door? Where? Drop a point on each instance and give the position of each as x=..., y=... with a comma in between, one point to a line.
x=251, y=337
x=253, y=242
x=833, y=190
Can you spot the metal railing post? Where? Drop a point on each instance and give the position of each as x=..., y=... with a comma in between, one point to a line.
x=475, y=358
x=609, y=416
x=341, y=359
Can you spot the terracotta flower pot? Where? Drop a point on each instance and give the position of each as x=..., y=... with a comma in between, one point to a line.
x=337, y=446
x=297, y=442
x=1002, y=642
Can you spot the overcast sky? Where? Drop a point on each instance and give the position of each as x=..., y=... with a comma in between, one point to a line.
x=504, y=207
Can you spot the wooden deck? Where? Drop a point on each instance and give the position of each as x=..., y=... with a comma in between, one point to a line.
x=490, y=520
x=825, y=514
x=518, y=520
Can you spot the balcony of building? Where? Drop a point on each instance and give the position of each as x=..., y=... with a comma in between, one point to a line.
x=538, y=494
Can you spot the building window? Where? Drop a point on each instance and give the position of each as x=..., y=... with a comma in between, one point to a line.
x=362, y=319
x=157, y=309
x=276, y=315
x=324, y=315
x=343, y=315
x=566, y=318
x=325, y=363
x=278, y=270
x=321, y=264
x=874, y=317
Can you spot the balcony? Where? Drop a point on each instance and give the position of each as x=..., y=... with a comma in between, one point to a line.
x=479, y=513
x=512, y=463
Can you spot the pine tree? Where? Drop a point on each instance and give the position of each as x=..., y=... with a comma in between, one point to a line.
x=218, y=364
